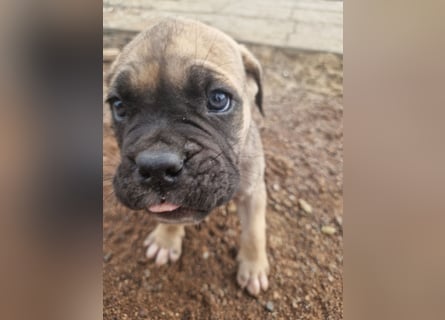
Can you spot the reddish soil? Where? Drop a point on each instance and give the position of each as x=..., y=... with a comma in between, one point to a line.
x=302, y=137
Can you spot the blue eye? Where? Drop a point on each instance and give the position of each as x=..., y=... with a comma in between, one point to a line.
x=119, y=110
x=219, y=101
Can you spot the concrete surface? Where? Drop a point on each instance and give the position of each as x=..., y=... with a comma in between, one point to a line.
x=301, y=24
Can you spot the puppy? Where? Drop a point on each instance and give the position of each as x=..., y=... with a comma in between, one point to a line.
x=181, y=95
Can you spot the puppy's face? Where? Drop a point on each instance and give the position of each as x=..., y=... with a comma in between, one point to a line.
x=179, y=96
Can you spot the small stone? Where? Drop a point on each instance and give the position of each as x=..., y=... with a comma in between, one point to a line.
x=305, y=206
x=339, y=220
x=205, y=255
x=287, y=203
x=128, y=230
x=292, y=198
x=142, y=262
x=322, y=184
x=273, y=195
x=330, y=278
x=276, y=186
x=231, y=207
x=146, y=273
x=269, y=306
x=109, y=54
x=231, y=233
x=143, y=313
x=108, y=256
x=295, y=304
x=157, y=288
x=276, y=295
x=329, y=230
x=288, y=272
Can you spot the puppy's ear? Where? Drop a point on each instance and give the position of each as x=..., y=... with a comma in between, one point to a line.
x=253, y=70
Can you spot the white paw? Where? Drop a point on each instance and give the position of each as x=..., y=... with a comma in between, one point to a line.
x=253, y=275
x=164, y=244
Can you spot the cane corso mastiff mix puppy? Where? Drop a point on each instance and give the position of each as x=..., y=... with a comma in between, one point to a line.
x=181, y=95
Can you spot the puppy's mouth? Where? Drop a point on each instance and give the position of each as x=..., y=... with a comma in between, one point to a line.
x=172, y=213
x=163, y=207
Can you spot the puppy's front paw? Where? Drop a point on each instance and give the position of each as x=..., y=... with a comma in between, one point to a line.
x=253, y=275
x=164, y=244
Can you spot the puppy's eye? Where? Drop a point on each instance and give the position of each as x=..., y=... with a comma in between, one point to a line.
x=119, y=110
x=219, y=101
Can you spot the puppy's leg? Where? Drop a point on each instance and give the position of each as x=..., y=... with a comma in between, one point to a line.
x=165, y=243
x=253, y=265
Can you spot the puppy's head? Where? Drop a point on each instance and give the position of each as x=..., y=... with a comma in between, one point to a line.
x=180, y=95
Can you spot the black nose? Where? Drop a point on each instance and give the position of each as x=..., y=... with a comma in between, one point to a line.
x=159, y=166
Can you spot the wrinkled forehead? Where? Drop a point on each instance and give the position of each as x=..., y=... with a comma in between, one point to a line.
x=175, y=50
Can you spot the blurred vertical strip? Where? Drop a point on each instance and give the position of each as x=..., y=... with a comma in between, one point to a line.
x=394, y=265
x=50, y=159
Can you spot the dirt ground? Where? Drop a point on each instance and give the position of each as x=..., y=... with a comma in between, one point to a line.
x=302, y=137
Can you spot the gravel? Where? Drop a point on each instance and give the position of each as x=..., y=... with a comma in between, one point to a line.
x=108, y=256
x=269, y=306
x=306, y=207
x=329, y=230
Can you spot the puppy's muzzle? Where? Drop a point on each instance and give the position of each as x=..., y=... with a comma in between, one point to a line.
x=159, y=168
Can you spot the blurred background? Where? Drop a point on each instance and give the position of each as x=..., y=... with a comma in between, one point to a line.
x=50, y=159
x=302, y=24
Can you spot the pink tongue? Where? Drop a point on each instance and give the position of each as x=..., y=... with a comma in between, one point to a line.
x=163, y=207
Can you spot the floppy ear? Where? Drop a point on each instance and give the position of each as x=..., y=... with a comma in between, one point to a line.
x=253, y=70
